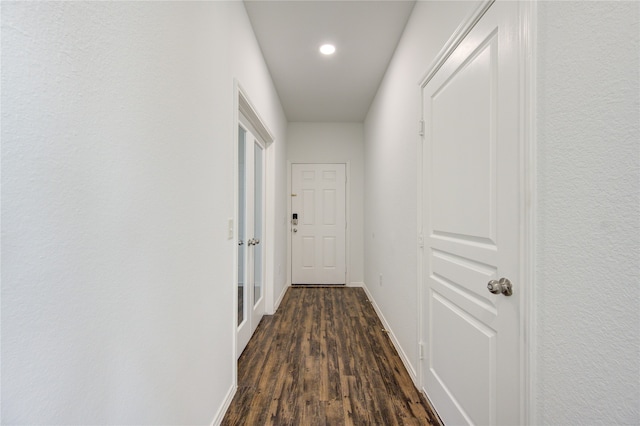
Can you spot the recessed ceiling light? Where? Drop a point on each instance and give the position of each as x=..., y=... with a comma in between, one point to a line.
x=327, y=49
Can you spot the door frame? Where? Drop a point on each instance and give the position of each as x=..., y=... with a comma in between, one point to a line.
x=347, y=207
x=243, y=107
x=527, y=20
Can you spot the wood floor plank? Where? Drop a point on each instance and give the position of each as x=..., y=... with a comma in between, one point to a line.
x=324, y=359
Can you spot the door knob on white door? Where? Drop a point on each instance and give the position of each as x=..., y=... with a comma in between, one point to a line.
x=502, y=286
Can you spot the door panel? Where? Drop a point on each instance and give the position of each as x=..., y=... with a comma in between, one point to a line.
x=329, y=206
x=308, y=210
x=319, y=240
x=329, y=255
x=308, y=254
x=472, y=371
x=458, y=362
x=463, y=139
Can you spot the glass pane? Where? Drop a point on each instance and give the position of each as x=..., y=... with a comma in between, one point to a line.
x=241, y=222
x=258, y=220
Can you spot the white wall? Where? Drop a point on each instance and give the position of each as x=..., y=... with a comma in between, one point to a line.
x=117, y=182
x=336, y=143
x=588, y=274
x=391, y=141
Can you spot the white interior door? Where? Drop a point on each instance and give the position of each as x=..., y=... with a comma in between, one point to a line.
x=251, y=213
x=471, y=367
x=318, y=238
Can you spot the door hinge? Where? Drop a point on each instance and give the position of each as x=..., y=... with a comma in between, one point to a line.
x=420, y=240
x=421, y=128
x=421, y=350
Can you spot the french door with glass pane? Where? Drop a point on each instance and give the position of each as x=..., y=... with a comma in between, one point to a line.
x=251, y=207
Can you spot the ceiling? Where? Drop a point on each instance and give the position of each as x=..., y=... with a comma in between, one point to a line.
x=340, y=87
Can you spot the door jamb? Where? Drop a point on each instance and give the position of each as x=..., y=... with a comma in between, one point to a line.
x=527, y=37
x=528, y=20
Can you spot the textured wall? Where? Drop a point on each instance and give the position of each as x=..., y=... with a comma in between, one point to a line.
x=336, y=143
x=588, y=275
x=117, y=171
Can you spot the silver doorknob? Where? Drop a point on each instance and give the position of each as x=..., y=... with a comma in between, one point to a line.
x=240, y=243
x=251, y=242
x=500, y=286
x=295, y=229
x=256, y=241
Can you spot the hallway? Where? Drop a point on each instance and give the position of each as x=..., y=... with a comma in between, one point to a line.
x=324, y=358
x=120, y=212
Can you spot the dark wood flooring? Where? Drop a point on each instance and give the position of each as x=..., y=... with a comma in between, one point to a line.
x=324, y=359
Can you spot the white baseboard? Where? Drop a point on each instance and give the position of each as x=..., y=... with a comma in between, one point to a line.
x=279, y=299
x=217, y=420
x=403, y=356
x=355, y=284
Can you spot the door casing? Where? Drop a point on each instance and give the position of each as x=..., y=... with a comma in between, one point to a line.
x=347, y=215
x=244, y=110
x=337, y=276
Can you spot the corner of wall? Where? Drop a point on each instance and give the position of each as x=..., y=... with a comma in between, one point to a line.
x=217, y=419
x=276, y=305
x=396, y=343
